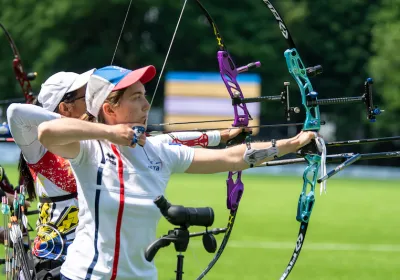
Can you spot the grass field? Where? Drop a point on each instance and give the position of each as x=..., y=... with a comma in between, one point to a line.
x=353, y=233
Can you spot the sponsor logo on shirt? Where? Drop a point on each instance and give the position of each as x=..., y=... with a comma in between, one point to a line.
x=155, y=165
x=111, y=158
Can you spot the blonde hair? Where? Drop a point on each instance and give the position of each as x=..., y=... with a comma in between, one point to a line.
x=113, y=99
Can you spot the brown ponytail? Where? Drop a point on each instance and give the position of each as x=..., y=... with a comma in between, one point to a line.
x=25, y=178
x=88, y=117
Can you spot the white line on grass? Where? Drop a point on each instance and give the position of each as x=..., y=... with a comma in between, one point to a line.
x=312, y=246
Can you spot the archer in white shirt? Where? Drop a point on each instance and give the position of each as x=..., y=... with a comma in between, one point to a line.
x=117, y=180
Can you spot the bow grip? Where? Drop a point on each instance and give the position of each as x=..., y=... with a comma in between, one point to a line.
x=309, y=149
x=137, y=133
x=239, y=139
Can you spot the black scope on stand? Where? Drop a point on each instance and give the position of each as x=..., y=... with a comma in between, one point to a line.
x=185, y=216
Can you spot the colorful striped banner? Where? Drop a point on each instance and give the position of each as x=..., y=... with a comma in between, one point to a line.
x=200, y=96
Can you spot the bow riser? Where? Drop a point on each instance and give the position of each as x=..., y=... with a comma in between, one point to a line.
x=235, y=188
x=312, y=123
x=229, y=74
x=307, y=200
x=228, y=71
x=23, y=80
x=298, y=71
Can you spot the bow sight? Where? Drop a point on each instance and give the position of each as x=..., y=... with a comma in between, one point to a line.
x=283, y=97
x=312, y=101
x=366, y=98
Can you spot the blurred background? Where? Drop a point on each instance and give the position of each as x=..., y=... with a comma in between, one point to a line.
x=352, y=40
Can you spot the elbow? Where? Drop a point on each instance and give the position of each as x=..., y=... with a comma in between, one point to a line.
x=13, y=111
x=44, y=134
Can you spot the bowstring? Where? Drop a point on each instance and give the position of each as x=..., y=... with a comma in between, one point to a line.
x=122, y=30
x=169, y=50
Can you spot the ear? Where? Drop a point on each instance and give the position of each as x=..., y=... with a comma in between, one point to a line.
x=108, y=110
x=64, y=109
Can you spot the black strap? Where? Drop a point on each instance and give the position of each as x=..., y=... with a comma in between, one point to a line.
x=47, y=269
x=54, y=274
x=2, y=193
x=58, y=198
x=273, y=142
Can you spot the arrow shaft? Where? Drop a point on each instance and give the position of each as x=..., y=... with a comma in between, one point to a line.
x=362, y=141
x=149, y=128
x=335, y=158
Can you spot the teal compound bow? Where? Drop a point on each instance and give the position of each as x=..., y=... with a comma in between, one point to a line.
x=312, y=123
x=311, y=104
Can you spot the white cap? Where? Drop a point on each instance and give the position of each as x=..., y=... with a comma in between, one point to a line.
x=55, y=87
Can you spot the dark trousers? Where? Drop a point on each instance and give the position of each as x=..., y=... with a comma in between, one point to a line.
x=64, y=278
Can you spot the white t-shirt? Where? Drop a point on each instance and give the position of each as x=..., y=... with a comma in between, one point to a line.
x=118, y=219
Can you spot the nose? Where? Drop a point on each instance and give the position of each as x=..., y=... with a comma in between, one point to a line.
x=146, y=105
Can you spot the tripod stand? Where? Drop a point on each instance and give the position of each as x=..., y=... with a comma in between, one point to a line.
x=180, y=237
x=183, y=217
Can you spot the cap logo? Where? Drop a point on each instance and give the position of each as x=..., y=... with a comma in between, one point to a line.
x=122, y=70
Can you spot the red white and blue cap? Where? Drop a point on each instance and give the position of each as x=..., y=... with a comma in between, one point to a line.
x=105, y=80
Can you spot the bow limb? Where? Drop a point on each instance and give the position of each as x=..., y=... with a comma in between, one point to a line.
x=18, y=220
x=22, y=77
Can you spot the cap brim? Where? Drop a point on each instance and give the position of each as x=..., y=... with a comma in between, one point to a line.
x=144, y=75
x=81, y=80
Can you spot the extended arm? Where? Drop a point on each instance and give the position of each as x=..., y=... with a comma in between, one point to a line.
x=232, y=159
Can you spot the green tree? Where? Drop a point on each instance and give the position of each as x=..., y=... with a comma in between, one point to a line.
x=78, y=35
x=385, y=63
x=338, y=37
